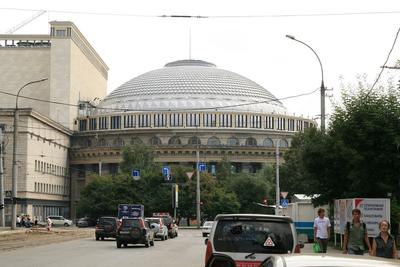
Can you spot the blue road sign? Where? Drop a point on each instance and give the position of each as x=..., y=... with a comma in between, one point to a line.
x=284, y=202
x=202, y=167
x=136, y=174
x=166, y=171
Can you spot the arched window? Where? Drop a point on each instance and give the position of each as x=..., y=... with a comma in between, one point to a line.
x=119, y=142
x=155, y=141
x=233, y=141
x=268, y=142
x=213, y=141
x=136, y=141
x=194, y=140
x=283, y=143
x=174, y=141
x=102, y=143
x=251, y=141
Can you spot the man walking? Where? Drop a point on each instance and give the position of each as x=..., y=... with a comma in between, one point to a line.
x=322, y=227
x=355, y=235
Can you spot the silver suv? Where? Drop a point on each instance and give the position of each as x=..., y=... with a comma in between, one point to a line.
x=248, y=239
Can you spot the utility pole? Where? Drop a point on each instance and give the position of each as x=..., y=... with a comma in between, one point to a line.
x=198, y=188
x=322, y=106
x=278, y=193
x=2, y=224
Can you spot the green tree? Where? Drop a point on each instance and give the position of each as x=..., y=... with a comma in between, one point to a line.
x=359, y=155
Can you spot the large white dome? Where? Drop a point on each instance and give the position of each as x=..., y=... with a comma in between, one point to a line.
x=191, y=85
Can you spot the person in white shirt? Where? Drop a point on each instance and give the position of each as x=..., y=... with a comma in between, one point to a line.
x=322, y=227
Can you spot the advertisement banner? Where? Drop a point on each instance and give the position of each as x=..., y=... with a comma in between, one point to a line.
x=372, y=211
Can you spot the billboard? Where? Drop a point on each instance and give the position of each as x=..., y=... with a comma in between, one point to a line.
x=130, y=210
x=372, y=211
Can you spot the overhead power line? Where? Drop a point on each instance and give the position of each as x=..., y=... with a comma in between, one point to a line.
x=288, y=15
x=272, y=99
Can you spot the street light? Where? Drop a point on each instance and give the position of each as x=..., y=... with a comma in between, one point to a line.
x=14, y=166
x=322, y=83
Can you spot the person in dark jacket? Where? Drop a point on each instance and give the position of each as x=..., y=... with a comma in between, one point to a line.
x=384, y=244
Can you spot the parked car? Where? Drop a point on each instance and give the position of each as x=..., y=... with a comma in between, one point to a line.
x=307, y=261
x=85, y=222
x=249, y=239
x=206, y=229
x=57, y=220
x=135, y=231
x=160, y=230
x=106, y=227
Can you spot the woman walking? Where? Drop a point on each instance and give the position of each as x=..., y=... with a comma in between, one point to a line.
x=384, y=244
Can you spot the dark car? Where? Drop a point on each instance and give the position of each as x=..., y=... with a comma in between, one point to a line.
x=106, y=227
x=135, y=231
x=85, y=222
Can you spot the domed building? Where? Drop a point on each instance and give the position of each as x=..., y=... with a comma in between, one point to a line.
x=184, y=107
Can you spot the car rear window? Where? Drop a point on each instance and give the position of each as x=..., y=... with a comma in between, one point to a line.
x=157, y=221
x=256, y=236
x=208, y=223
x=108, y=221
x=167, y=220
x=130, y=223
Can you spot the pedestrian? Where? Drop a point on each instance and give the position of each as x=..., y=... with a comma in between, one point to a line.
x=28, y=223
x=23, y=221
x=49, y=224
x=356, y=236
x=384, y=245
x=322, y=228
x=36, y=221
x=18, y=221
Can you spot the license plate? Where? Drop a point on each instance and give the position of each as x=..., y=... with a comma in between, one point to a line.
x=247, y=263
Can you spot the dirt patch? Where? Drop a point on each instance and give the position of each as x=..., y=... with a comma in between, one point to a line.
x=41, y=236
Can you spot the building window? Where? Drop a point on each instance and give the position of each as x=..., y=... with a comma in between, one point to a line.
x=174, y=141
x=268, y=142
x=194, y=140
x=241, y=121
x=210, y=120
x=291, y=125
x=251, y=141
x=255, y=121
x=60, y=33
x=115, y=122
x=129, y=121
x=299, y=126
x=136, y=141
x=92, y=124
x=233, y=141
x=119, y=142
x=269, y=122
x=192, y=120
x=160, y=120
x=176, y=120
x=225, y=120
x=144, y=120
x=82, y=125
x=213, y=141
x=103, y=123
x=102, y=143
x=281, y=124
x=283, y=143
x=155, y=141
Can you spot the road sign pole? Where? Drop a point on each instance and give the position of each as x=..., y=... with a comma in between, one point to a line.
x=2, y=222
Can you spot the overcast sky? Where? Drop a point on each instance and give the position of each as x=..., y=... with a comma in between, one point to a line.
x=246, y=37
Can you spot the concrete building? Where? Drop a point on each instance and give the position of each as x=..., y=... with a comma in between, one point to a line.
x=75, y=72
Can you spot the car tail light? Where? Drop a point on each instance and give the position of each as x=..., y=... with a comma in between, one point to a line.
x=209, y=250
x=297, y=249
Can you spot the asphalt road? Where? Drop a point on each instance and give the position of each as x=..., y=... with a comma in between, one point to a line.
x=187, y=249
